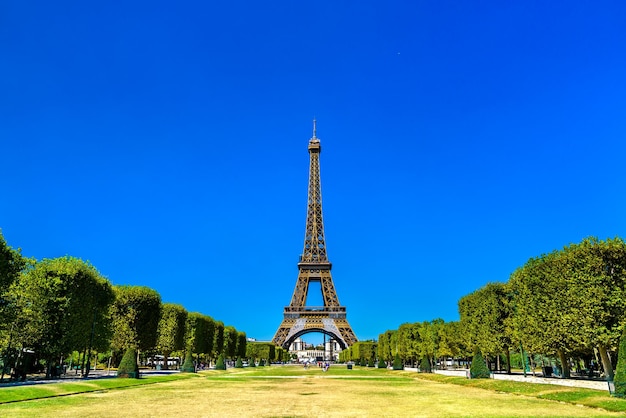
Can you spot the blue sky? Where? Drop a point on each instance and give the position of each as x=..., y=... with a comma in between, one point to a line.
x=166, y=142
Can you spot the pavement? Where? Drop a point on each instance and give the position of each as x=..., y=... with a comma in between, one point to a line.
x=588, y=383
x=72, y=376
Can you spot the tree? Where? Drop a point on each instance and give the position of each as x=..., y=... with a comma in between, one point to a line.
x=64, y=304
x=136, y=313
x=200, y=333
x=620, y=370
x=252, y=352
x=387, y=345
x=241, y=344
x=484, y=315
x=218, y=339
x=11, y=264
x=582, y=284
x=171, y=330
x=230, y=342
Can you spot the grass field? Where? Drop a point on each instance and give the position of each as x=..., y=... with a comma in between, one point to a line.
x=296, y=392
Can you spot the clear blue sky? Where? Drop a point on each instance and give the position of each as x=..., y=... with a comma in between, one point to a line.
x=166, y=142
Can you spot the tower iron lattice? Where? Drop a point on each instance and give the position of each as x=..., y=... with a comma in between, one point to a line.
x=314, y=266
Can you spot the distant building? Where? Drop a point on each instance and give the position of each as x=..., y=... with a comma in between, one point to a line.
x=309, y=353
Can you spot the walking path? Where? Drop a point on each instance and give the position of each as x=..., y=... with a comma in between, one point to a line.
x=574, y=382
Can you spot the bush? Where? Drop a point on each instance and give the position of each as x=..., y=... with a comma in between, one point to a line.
x=261, y=363
x=397, y=363
x=363, y=362
x=220, y=365
x=479, y=369
x=251, y=363
x=382, y=364
x=425, y=365
x=188, y=366
x=239, y=363
x=620, y=369
x=128, y=366
x=370, y=363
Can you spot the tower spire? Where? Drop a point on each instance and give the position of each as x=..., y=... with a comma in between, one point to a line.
x=314, y=129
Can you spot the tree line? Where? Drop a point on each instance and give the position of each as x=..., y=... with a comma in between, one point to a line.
x=55, y=308
x=564, y=308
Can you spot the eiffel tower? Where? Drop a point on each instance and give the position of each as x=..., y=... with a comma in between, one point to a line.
x=314, y=266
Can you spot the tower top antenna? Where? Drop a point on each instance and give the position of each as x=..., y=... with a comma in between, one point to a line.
x=314, y=129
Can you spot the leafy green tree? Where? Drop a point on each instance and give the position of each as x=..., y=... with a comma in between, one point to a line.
x=63, y=305
x=429, y=332
x=171, y=330
x=11, y=264
x=136, y=313
x=620, y=371
x=583, y=284
x=252, y=352
x=242, y=341
x=387, y=346
x=484, y=315
x=230, y=342
x=452, y=341
x=200, y=334
x=128, y=366
x=218, y=339
x=364, y=350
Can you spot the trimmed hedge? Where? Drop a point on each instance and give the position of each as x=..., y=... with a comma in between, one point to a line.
x=188, y=366
x=220, y=365
x=397, y=363
x=128, y=366
x=479, y=369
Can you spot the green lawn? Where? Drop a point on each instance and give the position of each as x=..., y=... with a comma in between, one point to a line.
x=292, y=391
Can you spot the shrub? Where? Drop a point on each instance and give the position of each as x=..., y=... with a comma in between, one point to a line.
x=188, y=366
x=382, y=364
x=128, y=366
x=620, y=369
x=479, y=369
x=251, y=362
x=261, y=363
x=370, y=363
x=239, y=363
x=220, y=365
x=363, y=362
x=397, y=363
x=425, y=365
